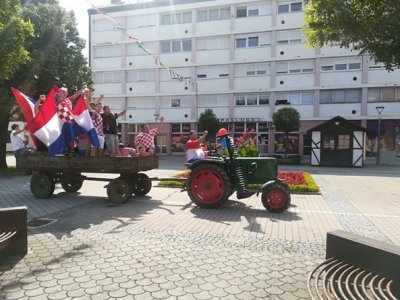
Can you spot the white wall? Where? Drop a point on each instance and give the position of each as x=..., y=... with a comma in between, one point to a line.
x=251, y=83
x=381, y=76
x=343, y=109
x=294, y=81
x=341, y=78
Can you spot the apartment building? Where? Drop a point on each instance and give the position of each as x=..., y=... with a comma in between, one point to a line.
x=244, y=60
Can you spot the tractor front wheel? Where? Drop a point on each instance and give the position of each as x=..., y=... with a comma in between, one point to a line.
x=276, y=198
x=209, y=186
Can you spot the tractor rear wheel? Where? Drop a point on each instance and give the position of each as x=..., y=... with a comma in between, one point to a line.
x=209, y=186
x=276, y=198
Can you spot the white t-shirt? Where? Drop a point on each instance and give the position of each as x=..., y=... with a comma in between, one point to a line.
x=193, y=154
x=17, y=141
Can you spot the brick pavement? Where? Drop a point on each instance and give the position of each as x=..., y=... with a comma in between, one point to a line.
x=162, y=247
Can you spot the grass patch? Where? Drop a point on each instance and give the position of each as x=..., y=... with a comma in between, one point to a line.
x=299, y=182
x=10, y=171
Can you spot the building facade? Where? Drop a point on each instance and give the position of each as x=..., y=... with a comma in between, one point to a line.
x=244, y=60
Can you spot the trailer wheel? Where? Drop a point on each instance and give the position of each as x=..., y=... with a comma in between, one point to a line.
x=276, y=198
x=209, y=186
x=141, y=184
x=42, y=185
x=119, y=190
x=71, y=183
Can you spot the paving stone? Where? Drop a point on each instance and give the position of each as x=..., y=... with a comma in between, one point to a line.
x=88, y=255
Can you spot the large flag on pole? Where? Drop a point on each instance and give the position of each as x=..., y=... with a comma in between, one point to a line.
x=56, y=125
x=82, y=118
x=26, y=104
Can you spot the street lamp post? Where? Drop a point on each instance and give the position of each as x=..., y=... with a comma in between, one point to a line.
x=378, y=151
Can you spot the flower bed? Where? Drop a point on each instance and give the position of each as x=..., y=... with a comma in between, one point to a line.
x=297, y=181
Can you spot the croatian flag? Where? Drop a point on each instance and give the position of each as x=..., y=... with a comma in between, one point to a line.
x=83, y=119
x=56, y=126
x=26, y=104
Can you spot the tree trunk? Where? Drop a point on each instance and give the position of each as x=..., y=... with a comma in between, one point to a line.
x=3, y=137
x=286, y=144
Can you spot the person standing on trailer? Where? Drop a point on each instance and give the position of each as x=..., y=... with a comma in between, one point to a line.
x=110, y=129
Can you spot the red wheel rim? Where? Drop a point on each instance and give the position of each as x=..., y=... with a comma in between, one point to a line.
x=208, y=186
x=276, y=199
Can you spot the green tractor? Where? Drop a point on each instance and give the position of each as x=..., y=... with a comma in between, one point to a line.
x=212, y=181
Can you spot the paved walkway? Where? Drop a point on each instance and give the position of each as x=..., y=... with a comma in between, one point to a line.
x=162, y=247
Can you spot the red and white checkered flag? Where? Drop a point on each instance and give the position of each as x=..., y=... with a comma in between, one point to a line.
x=64, y=112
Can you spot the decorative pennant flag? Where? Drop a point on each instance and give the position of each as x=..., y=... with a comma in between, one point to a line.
x=140, y=45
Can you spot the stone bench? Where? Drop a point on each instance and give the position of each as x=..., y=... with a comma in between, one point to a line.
x=13, y=231
x=356, y=268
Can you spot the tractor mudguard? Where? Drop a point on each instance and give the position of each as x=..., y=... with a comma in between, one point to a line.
x=272, y=182
x=218, y=162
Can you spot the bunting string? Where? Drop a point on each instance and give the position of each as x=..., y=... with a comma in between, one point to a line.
x=141, y=46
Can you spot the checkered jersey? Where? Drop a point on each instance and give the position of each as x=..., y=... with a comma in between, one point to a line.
x=127, y=151
x=97, y=122
x=146, y=139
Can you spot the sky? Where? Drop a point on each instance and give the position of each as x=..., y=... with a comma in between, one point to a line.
x=80, y=8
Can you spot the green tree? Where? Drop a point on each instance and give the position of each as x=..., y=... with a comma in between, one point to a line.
x=365, y=26
x=56, y=58
x=209, y=121
x=14, y=31
x=286, y=119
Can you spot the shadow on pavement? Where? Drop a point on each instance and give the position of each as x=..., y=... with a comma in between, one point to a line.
x=233, y=211
x=101, y=210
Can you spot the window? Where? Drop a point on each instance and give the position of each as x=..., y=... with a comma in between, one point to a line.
x=329, y=141
x=175, y=102
x=213, y=43
x=179, y=137
x=253, y=12
x=244, y=11
x=187, y=45
x=289, y=7
x=253, y=41
x=108, y=77
x=263, y=99
x=140, y=75
x=108, y=51
x=283, y=8
x=241, y=12
x=295, y=98
x=343, y=141
x=201, y=75
x=206, y=15
x=176, y=46
x=297, y=6
x=289, y=37
x=252, y=99
x=386, y=94
x=244, y=42
x=295, y=67
x=340, y=96
x=341, y=64
x=176, y=18
x=241, y=43
x=240, y=100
